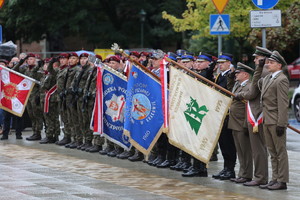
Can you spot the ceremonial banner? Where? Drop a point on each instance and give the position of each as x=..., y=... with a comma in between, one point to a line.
x=15, y=91
x=197, y=113
x=114, y=93
x=143, y=114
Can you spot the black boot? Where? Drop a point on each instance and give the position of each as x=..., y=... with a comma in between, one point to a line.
x=75, y=145
x=87, y=145
x=138, y=156
x=106, y=150
x=166, y=164
x=125, y=154
x=217, y=176
x=159, y=160
x=46, y=140
x=95, y=148
x=64, y=141
x=34, y=137
x=175, y=167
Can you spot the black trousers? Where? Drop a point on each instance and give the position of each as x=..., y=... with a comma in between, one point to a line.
x=7, y=122
x=227, y=146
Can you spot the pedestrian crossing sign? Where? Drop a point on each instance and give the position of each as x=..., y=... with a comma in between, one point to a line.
x=219, y=24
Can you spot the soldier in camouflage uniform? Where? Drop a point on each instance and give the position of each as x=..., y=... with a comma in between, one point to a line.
x=33, y=105
x=61, y=79
x=48, y=90
x=78, y=84
x=71, y=101
x=88, y=106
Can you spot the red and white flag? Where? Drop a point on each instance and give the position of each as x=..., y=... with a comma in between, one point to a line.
x=15, y=91
x=164, y=89
x=97, y=120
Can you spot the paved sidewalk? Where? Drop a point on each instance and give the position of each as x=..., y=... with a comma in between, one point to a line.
x=30, y=170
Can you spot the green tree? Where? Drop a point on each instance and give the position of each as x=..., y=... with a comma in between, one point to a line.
x=196, y=18
x=100, y=23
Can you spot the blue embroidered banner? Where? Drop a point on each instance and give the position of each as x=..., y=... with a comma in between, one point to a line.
x=114, y=93
x=143, y=114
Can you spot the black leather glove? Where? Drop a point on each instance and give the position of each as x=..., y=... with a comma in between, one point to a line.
x=212, y=65
x=280, y=131
x=40, y=63
x=23, y=60
x=37, y=100
x=246, y=132
x=261, y=62
x=53, y=60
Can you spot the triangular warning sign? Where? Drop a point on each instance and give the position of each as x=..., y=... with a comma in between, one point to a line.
x=219, y=25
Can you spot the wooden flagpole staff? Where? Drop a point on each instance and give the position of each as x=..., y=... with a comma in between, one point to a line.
x=215, y=85
x=201, y=77
x=115, y=47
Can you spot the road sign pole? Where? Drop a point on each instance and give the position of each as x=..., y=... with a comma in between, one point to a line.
x=219, y=44
x=264, y=40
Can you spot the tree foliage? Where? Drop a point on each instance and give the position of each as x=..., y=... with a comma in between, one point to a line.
x=196, y=17
x=286, y=36
x=99, y=22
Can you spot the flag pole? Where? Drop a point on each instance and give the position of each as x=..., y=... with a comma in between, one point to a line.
x=201, y=77
x=18, y=73
x=216, y=85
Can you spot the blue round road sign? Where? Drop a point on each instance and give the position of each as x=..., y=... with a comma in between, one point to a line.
x=265, y=4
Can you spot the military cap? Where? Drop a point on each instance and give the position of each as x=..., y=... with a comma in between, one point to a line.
x=37, y=56
x=172, y=56
x=223, y=57
x=278, y=58
x=204, y=57
x=260, y=51
x=114, y=58
x=243, y=68
x=180, y=52
x=84, y=55
x=158, y=54
x=134, y=53
x=4, y=61
x=63, y=55
x=73, y=54
x=144, y=53
x=47, y=60
x=99, y=56
x=106, y=60
x=186, y=57
x=31, y=55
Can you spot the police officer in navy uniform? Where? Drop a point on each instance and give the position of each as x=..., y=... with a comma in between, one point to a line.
x=204, y=66
x=226, y=141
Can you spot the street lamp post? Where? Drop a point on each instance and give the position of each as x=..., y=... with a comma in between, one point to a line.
x=142, y=18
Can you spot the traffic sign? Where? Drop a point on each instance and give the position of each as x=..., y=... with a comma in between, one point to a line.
x=1, y=3
x=265, y=4
x=220, y=5
x=219, y=24
x=265, y=18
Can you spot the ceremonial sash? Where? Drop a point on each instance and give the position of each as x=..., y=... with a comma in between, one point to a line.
x=254, y=122
x=127, y=68
x=98, y=106
x=164, y=90
x=47, y=98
